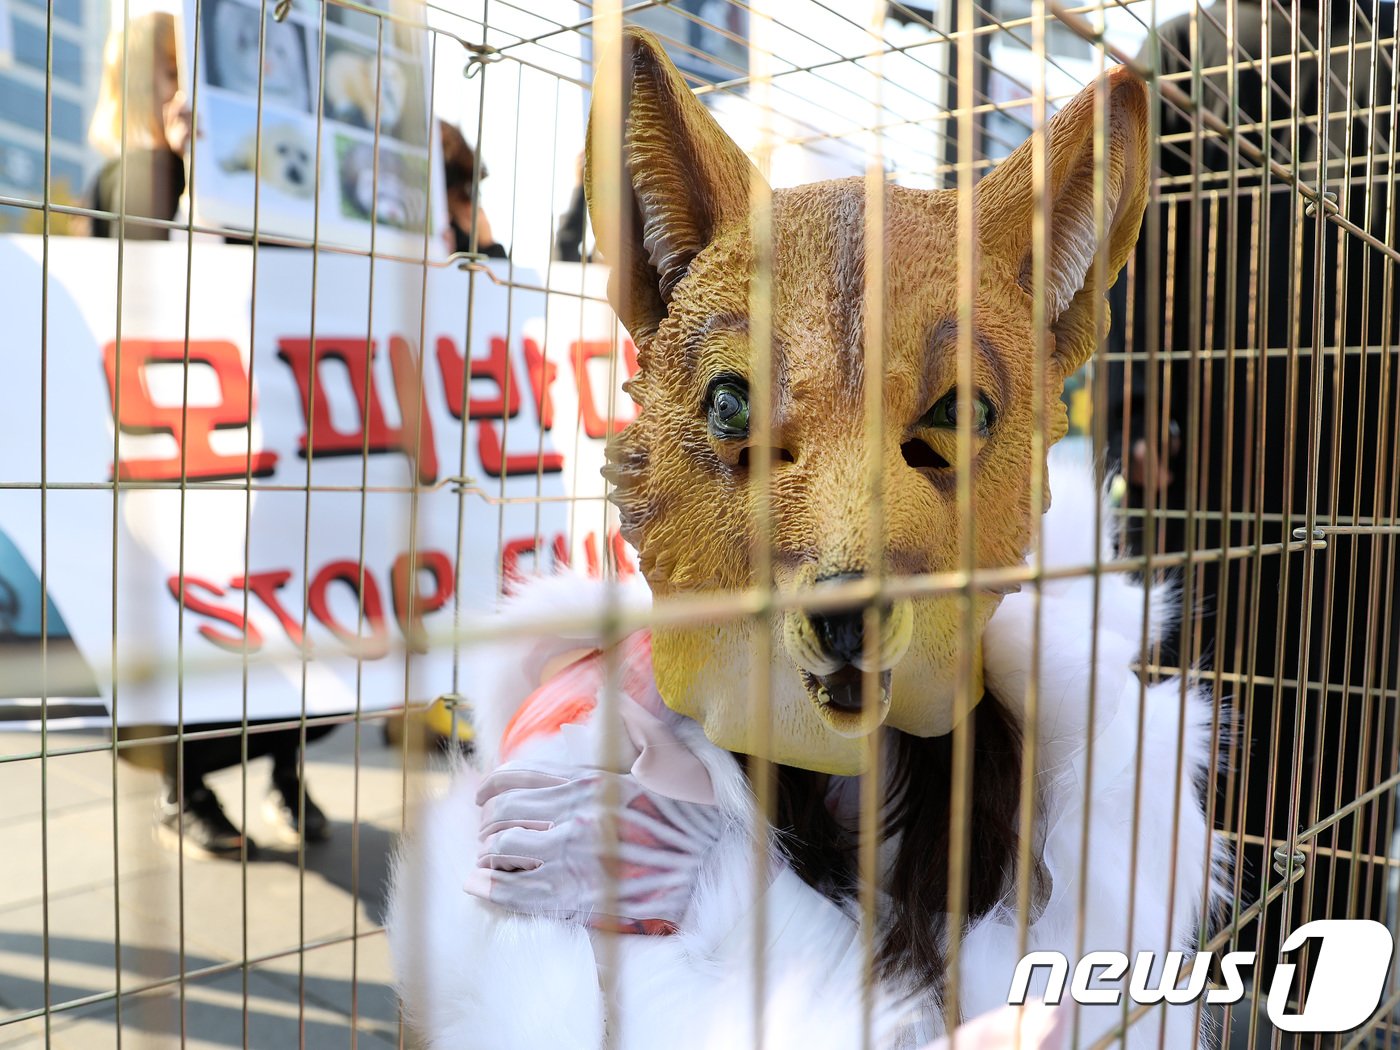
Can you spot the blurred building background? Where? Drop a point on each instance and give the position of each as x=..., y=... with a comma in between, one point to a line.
x=79, y=29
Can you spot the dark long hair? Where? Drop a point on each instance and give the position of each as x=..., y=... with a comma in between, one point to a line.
x=917, y=812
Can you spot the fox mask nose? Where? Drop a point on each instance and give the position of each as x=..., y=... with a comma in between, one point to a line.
x=824, y=643
x=840, y=634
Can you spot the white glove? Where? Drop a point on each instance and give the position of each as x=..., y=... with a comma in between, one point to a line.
x=546, y=849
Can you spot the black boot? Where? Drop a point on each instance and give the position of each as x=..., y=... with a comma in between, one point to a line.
x=197, y=824
x=292, y=810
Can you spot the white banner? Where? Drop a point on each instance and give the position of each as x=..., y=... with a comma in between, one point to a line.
x=334, y=443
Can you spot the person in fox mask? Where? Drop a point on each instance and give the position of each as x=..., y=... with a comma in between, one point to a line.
x=606, y=835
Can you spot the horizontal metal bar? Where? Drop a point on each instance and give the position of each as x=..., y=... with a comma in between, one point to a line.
x=689, y=610
x=191, y=735
x=470, y=487
x=212, y=970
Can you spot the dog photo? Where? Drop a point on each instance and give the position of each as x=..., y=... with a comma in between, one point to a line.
x=352, y=75
x=231, y=55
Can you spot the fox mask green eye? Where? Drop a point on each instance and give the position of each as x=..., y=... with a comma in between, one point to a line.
x=727, y=408
x=944, y=413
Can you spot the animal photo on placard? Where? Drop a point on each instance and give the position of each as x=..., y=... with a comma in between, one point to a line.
x=286, y=162
x=365, y=90
x=231, y=52
x=394, y=192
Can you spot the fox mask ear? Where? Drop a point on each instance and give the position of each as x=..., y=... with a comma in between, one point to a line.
x=1006, y=203
x=682, y=180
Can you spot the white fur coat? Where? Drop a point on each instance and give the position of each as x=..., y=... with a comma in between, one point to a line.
x=471, y=975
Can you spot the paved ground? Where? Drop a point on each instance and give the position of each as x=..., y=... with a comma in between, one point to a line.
x=347, y=1000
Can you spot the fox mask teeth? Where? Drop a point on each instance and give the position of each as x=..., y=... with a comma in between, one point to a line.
x=841, y=699
x=677, y=224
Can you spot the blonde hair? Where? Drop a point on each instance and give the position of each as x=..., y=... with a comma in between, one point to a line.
x=151, y=41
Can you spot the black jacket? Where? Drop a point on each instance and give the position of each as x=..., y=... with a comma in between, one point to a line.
x=1275, y=356
x=155, y=180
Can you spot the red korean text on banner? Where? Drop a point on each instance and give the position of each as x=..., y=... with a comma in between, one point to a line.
x=354, y=359
x=514, y=550
x=596, y=421
x=135, y=411
x=484, y=412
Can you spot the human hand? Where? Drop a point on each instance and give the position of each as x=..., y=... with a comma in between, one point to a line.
x=589, y=845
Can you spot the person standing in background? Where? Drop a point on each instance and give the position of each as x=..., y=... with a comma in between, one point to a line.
x=459, y=164
x=147, y=180
x=571, y=242
x=152, y=166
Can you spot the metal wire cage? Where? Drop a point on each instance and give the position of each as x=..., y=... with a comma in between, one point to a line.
x=274, y=475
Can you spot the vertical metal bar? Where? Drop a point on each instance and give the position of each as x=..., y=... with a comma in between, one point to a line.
x=874, y=333
x=1260, y=398
x=763, y=401
x=1310, y=466
x=362, y=572
x=244, y=970
x=543, y=386
x=1096, y=282
x=115, y=522
x=459, y=558
x=415, y=493
x=959, y=805
x=606, y=126
x=1194, y=464
x=509, y=372
x=1340, y=333
x=1386, y=562
x=1290, y=423
x=1225, y=534
x=1153, y=428
x=1363, y=339
x=47, y=217
x=304, y=656
x=1027, y=863
x=510, y=325
x=1317, y=375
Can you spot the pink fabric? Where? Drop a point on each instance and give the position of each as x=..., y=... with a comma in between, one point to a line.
x=658, y=759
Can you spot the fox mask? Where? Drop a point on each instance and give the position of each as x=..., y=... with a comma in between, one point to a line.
x=681, y=285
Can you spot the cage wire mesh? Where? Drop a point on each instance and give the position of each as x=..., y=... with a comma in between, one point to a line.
x=365, y=393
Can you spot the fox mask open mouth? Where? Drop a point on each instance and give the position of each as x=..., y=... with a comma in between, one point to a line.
x=680, y=228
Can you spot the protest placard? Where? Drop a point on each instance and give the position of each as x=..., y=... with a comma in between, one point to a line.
x=312, y=494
